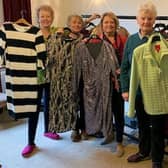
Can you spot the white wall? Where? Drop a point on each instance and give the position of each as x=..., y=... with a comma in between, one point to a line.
x=63, y=8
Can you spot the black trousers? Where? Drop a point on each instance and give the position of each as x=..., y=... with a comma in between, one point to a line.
x=118, y=111
x=157, y=137
x=80, y=122
x=43, y=91
x=144, y=126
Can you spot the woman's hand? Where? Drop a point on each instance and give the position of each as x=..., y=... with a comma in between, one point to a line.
x=125, y=96
x=118, y=71
x=92, y=17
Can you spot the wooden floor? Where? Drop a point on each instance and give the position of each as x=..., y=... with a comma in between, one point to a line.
x=62, y=153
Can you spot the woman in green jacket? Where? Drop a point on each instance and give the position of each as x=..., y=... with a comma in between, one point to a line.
x=145, y=18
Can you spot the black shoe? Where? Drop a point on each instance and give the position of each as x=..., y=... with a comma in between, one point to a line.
x=75, y=136
x=84, y=136
x=137, y=157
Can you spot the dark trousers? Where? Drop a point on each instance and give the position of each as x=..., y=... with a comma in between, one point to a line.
x=118, y=111
x=80, y=122
x=157, y=137
x=43, y=91
x=144, y=124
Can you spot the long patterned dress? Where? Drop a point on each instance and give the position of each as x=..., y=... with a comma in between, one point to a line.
x=96, y=72
x=62, y=113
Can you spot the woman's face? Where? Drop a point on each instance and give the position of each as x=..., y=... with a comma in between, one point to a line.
x=108, y=25
x=75, y=24
x=146, y=21
x=45, y=18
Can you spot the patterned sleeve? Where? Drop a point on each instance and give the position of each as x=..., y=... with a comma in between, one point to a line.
x=77, y=72
x=114, y=58
x=41, y=50
x=53, y=46
x=114, y=61
x=2, y=45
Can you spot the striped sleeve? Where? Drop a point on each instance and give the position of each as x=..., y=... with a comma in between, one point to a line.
x=2, y=45
x=41, y=50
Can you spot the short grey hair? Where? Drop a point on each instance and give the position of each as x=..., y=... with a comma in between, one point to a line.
x=74, y=16
x=147, y=6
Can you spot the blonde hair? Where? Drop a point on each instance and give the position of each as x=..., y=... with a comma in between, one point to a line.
x=111, y=15
x=46, y=8
x=147, y=6
x=74, y=16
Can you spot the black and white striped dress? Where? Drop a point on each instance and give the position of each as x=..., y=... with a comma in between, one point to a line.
x=22, y=48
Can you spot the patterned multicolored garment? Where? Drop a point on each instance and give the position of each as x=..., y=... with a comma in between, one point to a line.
x=59, y=72
x=41, y=73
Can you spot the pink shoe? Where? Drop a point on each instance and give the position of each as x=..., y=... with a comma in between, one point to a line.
x=52, y=135
x=28, y=150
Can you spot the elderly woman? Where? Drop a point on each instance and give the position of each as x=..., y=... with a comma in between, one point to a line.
x=146, y=16
x=63, y=114
x=149, y=72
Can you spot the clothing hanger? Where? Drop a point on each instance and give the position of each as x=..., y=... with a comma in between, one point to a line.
x=165, y=32
x=94, y=38
x=22, y=20
x=89, y=25
x=166, y=28
x=65, y=36
x=94, y=44
x=159, y=27
x=67, y=31
x=87, y=29
x=162, y=29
